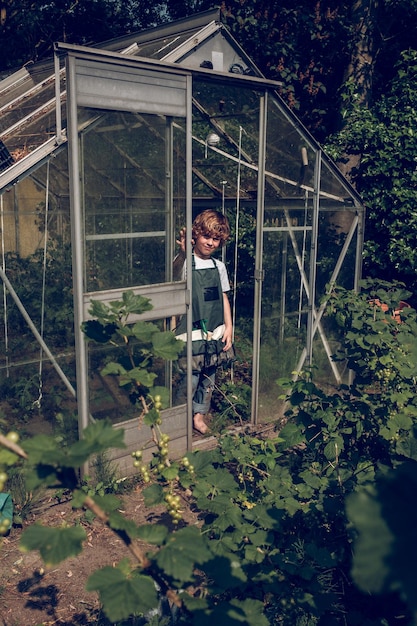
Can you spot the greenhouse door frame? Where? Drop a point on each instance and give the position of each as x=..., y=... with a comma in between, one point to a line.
x=307, y=279
x=113, y=82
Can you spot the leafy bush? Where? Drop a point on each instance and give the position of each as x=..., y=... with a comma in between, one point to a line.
x=300, y=528
x=383, y=136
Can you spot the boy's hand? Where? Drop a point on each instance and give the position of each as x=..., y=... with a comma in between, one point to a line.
x=181, y=240
x=227, y=339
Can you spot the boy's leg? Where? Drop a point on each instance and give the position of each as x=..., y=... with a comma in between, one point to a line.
x=202, y=398
x=181, y=388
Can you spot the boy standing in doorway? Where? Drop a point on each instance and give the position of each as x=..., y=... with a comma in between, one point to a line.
x=212, y=317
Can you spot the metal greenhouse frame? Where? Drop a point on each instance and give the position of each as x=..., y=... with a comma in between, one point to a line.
x=106, y=153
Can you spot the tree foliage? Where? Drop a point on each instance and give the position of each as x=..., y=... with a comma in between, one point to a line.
x=304, y=45
x=28, y=29
x=315, y=47
x=384, y=138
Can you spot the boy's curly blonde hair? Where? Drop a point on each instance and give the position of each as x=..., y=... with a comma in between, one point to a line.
x=211, y=222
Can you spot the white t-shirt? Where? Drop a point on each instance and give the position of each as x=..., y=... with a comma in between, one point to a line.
x=202, y=264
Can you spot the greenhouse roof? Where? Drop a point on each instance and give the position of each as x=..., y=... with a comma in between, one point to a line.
x=33, y=101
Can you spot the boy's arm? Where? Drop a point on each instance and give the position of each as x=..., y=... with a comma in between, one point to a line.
x=228, y=332
x=179, y=260
x=177, y=265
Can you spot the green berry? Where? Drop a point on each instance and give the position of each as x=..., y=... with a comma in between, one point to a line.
x=13, y=436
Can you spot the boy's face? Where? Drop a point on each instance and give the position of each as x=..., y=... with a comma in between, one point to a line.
x=205, y=245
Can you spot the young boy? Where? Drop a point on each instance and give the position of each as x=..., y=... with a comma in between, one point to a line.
x=212, y=318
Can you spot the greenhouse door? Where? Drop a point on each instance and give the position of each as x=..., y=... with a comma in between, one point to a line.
x=128, y=155
x=309, y=238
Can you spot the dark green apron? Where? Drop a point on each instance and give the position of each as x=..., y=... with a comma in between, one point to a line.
x=207, y=308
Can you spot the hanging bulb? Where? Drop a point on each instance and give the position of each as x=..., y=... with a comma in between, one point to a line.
x=213, y=139
x=304, y=156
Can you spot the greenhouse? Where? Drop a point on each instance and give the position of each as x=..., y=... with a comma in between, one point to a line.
x=106, y=152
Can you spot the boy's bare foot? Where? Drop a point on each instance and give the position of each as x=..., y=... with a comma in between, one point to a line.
x=199, y=423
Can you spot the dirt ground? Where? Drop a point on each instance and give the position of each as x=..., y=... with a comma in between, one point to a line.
x=32, y=595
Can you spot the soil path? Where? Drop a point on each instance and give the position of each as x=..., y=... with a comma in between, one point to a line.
x=32, y=595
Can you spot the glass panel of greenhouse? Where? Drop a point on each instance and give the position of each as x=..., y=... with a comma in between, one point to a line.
x=124, y=152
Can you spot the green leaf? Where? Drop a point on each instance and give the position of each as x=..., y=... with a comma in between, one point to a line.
x=170, y=472
x=183, y=550
x=78, y=499
x=403, y=421
x=7, y=457
x=153, y=533
x=193, y=603
x=259, y=538
x=136, y=303
x=54, y=544
x=101, y=311
x=249, y=611
x=166, y=346
x=123, y=594
x=102, y=435
x=98, y=437
x=141, y=375
x=224, y=572
x=113, y=369
x=108, y=502
x=291, y=505
x=385, y=551
x=265, y=517
x=51, y=459
x=152, y=417
x=152, y=495
x=407, y=448
x=333, y=449
x=46, y=476
x=164, y=393
x=124, y=331
x=144, y=331
x=215, y=480
x=42, y=449
x=100, y=333
x=292, y=435
x=313, y=480
x=253, y=554
x=117, y=521
x=203, y=460
x=228, y=514
x=373, y=547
